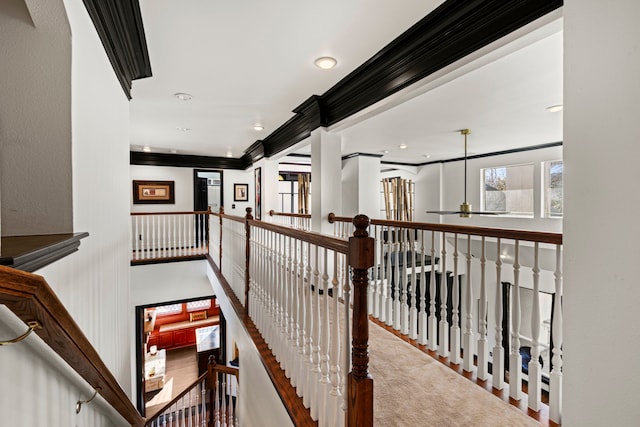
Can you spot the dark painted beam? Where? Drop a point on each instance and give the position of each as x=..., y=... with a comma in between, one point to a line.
x=452, y=31
x=119, y=26
x=185, y=161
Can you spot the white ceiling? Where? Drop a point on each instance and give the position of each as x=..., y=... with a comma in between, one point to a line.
x=252, y=61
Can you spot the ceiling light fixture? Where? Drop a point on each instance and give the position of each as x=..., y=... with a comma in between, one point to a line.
x=229, y=154
x=183, y=129
x=465, y=208
x=402, y=146
x=555, y=108
x=183, y=96
x=146, y=149
x=325, y=62
x=258, y=127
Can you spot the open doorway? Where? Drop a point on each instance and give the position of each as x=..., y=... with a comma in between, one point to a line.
x=207, y=190
x=175, y=340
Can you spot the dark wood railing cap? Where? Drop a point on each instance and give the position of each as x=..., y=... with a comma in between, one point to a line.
x=361, y=222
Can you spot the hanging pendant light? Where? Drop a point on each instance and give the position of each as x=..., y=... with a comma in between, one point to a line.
x=466, y=209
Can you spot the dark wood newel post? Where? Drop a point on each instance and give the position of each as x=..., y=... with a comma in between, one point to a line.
x=211, y=386
x=220, y=256
x=246, y=261
x=360, y=383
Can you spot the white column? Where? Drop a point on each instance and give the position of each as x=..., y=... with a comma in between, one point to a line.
x=601, y=92
x=361, y=185
x=326, y=173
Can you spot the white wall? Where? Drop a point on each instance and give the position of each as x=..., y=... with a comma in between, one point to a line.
x=93, y=283
x=231, y=177
x=174, y=281
x=451, y=188
x=260, y=404
x=183, y=186
x=35, y=137
x=601, y=134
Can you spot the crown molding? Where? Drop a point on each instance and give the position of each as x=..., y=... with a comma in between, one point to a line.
x=119, y=26
x=185, y=161
x=452, y=31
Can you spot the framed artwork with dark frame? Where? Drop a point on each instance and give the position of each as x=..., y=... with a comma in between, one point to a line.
x=154, y=192
x=240, y=192
x=258, y=181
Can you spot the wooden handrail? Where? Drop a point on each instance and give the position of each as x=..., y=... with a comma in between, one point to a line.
x=523, y=235
x=171, y=213
x=293, y=215
x=178, y=397
x=232, y=217
x=333, y=243
x=30, y=298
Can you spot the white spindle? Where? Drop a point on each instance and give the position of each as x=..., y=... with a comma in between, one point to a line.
x=396, y=280
x=498, y=349
x=347, y=335
x=483, y=347
x=308, y=331
x=443, y=347
x=413, y=313
x=389, y=278
x=334, y=359
x=454, y=357
x=555, y=377
x=535, y=370
x=515, y=359
x=381, y=277
x=324, y=337
x=315, y=351
x=468, y=338
x=402, y=284
x=422, y=328
x=433, y=321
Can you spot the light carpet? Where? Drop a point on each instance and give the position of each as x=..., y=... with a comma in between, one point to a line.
x=413, y=389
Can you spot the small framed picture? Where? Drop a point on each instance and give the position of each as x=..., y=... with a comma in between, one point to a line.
x=152, y=192
x=240, y=192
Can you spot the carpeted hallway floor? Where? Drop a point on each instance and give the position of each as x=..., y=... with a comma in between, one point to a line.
x=412, y=389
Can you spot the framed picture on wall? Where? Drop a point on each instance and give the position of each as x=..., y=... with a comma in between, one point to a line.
x=258, y=181
x=153, y=192
x=240, y=192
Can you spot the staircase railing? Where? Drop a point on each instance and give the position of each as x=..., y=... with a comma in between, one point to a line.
x=31, y=299
x=169, y=235
x=211, y=400
x=489, y=299
x=294, y=220
x=307, y=295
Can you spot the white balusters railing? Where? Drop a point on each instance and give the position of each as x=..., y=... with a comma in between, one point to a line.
x=169, y=235
x=293, y=220
x=234, y=254
x=435, y=283
x=300, y=309
x=193, y=408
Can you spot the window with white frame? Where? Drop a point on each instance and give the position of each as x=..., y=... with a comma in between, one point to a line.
x=552, y=189
x=169, y=309
x=198, y=305
x=508, y=189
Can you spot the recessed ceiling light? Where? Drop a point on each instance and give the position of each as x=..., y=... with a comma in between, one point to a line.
x=402, y=146
x=173, y=151
x=325, y=62
x=183, y=96
x=229, y=154
x=146, y=149
x=258, y=127
x=554, y=108
x=183, y=129
x=385, y=151
x=426, y=156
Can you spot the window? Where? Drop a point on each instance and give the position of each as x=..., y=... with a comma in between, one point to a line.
x=199, y=305
x=508, y=188
x=552, y=189
x=169, y=309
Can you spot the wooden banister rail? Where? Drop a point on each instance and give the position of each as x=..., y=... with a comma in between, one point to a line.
x=176, y=399
x=329, y=242
x=292, y=215
x=173, y=213
x=30, y=298
x=523, y=235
